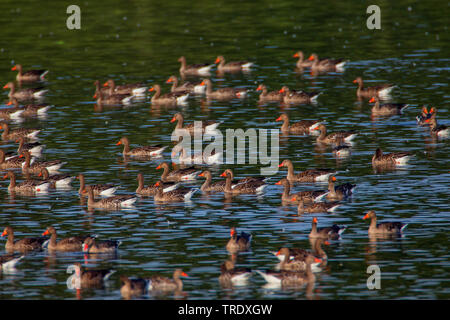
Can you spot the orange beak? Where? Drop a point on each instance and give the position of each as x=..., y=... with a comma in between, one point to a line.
x=5, y=87
x=217, y=60
x=105, y=84
x=372, y=100
x=169, y=80
x=40, y=174
x=278, y=183
x=294, y=199
x=9, y=103
x=158, y=167
x=431, y=110
x=366, y=216
x=4, y=233
x=281, y=90
x=311, y=58
x=157, y=184
x=425, y=109
x=184, y=274
x=86, y=247
x=259, y=88
x=326, y=242
x=173, y=119
x=95, y=96
x=118, y=143
x=151, y=89
x=315, y=220
x=317, y=260
x=5, y=176
x=295, y=55
x=354, y=81
x=45, y=233
x=203, y=83
x=14, y=68
x=201, y=174
x=232, y=232
x=278, y=253
x=279, y=118
x=21, y=156
x=334, y=178
x=223, y=174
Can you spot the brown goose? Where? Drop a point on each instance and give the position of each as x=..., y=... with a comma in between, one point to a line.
x=317, y=207
x=326, y=65
x=66, y=244
x=246, y=185
x=105, y=190
x=230, y=275
x=206, y=126
x=395, y=158
x=202, y=69
x=143, y=151
x=56, y=180
x=13, y=113
x=30, y=75
x=208, y=186
x=302, y=63
x=302, y=126
x=24, y=244
x=113, y=202
x=27, y=186
x=186, y=87
x=135, y=89
x=34, y=148
x=441, y=131
x=90, y=245
x=387, y=108
x=177, y=175
x=89, y=278
x=35, y=167
x=11, y=162
x=333, y=232
x=15, y=134
x=223, y=93
x=176, y=195
x=335, y=137
x=29, y=110
x=24, y=94
x=152, y=189
x=302, y=253
x=295, y=262
x=266, y=96
x=340, y=192
x=311, y=175
x=306, y=196
x=298, y=96
x=384, y=227
x=291, y=278
x=232, y=66
x=171, y=98
x=159, y=283
x=8, y=262
x=107, y=97
x=133, y=287
x=382, y=91
x=237, y=242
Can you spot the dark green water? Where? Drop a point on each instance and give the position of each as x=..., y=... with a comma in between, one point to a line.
x=134, y=41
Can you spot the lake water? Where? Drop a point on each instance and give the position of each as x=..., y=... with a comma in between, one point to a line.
x=138, y=41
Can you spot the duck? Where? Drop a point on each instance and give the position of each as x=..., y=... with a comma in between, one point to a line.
x=151, y=190
x=56, y=180
x=307, y=196
x=383, y=227
x=113, y=202
x=105, y=190
x=8, y=262
x=29, y=110
x=310, y=175
x=67, y=244
x=201, y=69
x=171, y=98
x=246, y=185
x=302, y=126
x=230, y=275
x=25, y=244
x=387, y=108
x=302, y=253
x=266, y=96
x=34, y=148
x=208, y=186
x=24, y=94
x=339, y=192
x=317, y=207
x=133, y=287
x=239, y=242
x=86, y=278
x=232, y=66
x=207, y=125
x=395, y=158
x=30, y=75
x=142, y=151
x=91, y=245
x=176, y=195
x=12, y=113
x=177, y=175
x=14, y=162
x=160, y=283
x=9, y=135
x=342, y=150
x=335, y=137
x=107, y=97
x=333, y=232
x=291, y=278
x=134, y=89
x=198, y=158
x=441, y=130
x=27, y=186
x=223, y=94
x=326, y=65
x=186, y=87
x=298, y=96
x=382, y=91
x=296, y=262
x=35, y=167
x=302, y=62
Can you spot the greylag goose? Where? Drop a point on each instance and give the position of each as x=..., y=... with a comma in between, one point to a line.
x=35, y=167
x=296, y=262
x=333, y=232
x=24, y=94
x=171, y=98
x=382, y=91
x=113, y=202
x=237, y=242
x=56, y=180
x=29, y=110
x=230, y=275
x=177, y=175
x=383, y=227
x=339, y=192
x=441, y=130
x=30, y=75
x=135, y=89
x=159, y=283
x=246, y=185
x=133, y=287
x=143, y=151
x=206, y=126
x=106, y=97
x=395, y=158
x=326, y=65
x=302, y=126
x=317, y=207
x=208, y=186
x=67, y=244
x=307, y=196
x=27, y=186
x=223, y=94
x=198, y=158
x=266, y=96
x=15, y=134
x=186, y=87
x=232, y=66
x=34, y=148
x=24, y=244
x=105, y=190
x=152, y=189
x=14, y=162
x=311, y=175
x=387, y=108
x=293, y=252
x=13, y=113
x=91, y=245
x=200, y=69
x=335, y=137
x=298, y=96
x=302, y=62
x=176, y=195
x=89, y=278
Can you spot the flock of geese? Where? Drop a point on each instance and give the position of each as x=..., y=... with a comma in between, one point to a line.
x=296, y=267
